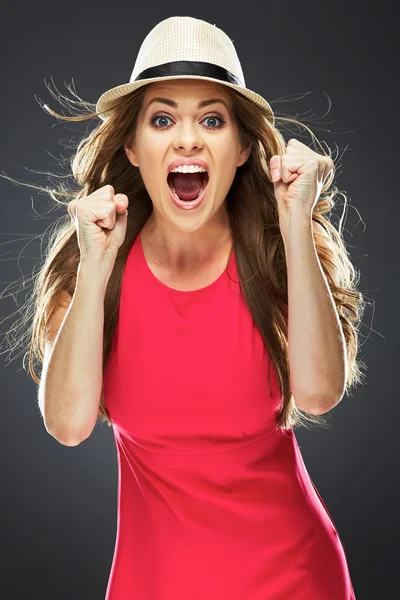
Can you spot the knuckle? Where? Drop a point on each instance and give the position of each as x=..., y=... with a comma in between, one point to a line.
x=107, y=196
x=71, y=207
x=109, y=189
x=285, y=160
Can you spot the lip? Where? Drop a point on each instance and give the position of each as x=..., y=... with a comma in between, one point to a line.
x=188, y=161
x=188, y=205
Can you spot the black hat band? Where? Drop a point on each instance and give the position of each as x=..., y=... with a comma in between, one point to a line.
x=189, y=67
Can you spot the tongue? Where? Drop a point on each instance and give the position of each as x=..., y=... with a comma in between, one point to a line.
x=187, y=185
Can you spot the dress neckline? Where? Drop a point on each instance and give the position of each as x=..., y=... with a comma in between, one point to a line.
x=171, y=290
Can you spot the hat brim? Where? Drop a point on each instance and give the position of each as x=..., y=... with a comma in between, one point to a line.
x=103, y=103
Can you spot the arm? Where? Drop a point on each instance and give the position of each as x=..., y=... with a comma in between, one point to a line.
x=316, y=343
x=70, y=387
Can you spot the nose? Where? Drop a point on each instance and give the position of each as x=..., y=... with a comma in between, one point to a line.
x=188, y=137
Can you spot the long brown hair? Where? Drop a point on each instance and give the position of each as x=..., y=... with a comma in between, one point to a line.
x=100, y=159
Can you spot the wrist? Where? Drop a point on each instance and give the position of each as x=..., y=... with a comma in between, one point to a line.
x=293, y=223
x=95, y=273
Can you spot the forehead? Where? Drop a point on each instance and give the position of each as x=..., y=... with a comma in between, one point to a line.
x=186, y=89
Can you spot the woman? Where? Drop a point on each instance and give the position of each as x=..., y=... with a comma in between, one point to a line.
x=203, y=312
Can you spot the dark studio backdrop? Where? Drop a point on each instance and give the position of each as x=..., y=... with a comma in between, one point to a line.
x=58, y=503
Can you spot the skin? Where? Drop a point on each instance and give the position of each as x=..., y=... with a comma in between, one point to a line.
x=186, y=241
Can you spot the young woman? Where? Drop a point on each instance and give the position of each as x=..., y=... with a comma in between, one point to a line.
x=201, y=302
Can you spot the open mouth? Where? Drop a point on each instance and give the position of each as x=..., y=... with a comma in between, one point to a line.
x=187, y=186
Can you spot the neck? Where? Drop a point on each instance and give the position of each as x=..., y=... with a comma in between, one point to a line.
x=186, y=251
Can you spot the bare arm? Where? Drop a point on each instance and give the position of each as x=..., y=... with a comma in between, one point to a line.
x=317, y=353
x=71, y=383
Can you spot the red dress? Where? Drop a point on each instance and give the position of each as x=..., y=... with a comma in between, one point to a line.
x=214, y=501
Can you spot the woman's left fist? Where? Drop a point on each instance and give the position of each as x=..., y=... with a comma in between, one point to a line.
x=298, y=177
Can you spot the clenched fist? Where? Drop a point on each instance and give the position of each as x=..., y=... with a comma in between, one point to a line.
x=100, y=220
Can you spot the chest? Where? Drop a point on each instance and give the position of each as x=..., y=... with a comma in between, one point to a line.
x=198, y=278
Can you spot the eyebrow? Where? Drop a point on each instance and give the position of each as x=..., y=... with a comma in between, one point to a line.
x=200, y=105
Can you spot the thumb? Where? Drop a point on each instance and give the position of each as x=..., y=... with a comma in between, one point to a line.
x=275, y=168
x=121, y=201
x=120, y=226
x=122, y=210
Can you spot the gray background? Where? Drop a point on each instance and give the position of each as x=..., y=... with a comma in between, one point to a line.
x=58, y=503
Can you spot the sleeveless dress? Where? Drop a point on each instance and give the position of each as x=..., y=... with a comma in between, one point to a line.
x=214, y=500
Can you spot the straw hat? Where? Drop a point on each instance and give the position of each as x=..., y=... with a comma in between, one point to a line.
x=186, y=48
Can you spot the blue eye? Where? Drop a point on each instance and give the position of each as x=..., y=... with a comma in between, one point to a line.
x=163, y=116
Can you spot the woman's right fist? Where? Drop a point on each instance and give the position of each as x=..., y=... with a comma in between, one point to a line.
x=100, y=220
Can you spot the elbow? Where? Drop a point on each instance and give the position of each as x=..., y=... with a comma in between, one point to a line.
x=69, y=442
x=65, y=440
x=318, y=404
x=68, y=438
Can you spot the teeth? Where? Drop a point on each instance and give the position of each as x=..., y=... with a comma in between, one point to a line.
x=188, y=169
x=174, y=192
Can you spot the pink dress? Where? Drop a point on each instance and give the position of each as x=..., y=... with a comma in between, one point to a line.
x=214, y=500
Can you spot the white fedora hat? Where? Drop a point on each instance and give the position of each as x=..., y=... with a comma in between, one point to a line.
x=186, y=48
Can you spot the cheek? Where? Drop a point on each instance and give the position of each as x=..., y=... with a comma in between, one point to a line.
x=149, y=156
x=151, y=159
x=228, y=167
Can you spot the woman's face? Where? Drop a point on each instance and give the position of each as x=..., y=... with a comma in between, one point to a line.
x=166, y=133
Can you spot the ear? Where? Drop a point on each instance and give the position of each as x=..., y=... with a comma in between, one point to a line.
x=131, y=155
x=243, y=156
